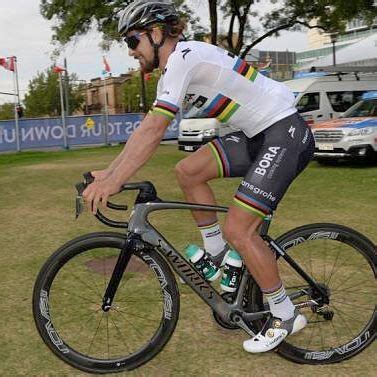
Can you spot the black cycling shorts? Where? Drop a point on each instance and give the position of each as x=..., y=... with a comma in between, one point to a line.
x=269, y=162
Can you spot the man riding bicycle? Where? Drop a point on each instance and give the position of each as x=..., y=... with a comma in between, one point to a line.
x=271, y=146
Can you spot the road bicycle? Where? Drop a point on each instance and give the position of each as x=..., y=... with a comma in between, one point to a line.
x=109, y=301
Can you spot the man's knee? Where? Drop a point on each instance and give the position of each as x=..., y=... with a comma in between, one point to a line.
x=239, y=231
x=184, y=172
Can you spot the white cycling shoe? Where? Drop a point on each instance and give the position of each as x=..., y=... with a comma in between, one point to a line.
x=274, y=332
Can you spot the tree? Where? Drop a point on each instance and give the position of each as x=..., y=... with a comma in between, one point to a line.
x=331, y=16
x=132, y=91
x=76, y=18
x=43, y=97
x=7, y=111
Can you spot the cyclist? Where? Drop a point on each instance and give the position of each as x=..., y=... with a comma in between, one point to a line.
x=271, y=146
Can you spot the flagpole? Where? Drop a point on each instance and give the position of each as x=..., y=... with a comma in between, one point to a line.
x=106, y=112
x=16, y=103
x=62, y=111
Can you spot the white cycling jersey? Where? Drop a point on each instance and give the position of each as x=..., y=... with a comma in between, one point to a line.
x=204, y=81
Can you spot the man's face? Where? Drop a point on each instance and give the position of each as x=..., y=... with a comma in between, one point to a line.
x=141, y=49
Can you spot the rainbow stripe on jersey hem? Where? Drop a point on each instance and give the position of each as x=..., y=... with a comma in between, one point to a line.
x=217, y=149
x=164, y=108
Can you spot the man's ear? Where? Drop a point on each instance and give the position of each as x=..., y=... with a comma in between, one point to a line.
x=156, y=34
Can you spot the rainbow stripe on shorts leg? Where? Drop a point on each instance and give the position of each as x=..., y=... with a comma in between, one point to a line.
x=218, y=151
x=251, y=205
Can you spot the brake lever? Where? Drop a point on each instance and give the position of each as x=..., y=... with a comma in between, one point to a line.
x=80, y=187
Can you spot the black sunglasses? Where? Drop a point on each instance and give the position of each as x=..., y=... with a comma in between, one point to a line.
x=133, y=40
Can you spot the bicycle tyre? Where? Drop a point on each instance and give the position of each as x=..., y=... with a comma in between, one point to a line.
x=80, y=248
x=352, y=240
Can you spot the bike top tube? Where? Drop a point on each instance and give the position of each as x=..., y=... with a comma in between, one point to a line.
x=151, y=202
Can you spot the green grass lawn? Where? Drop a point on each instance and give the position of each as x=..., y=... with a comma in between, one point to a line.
x=37, y=216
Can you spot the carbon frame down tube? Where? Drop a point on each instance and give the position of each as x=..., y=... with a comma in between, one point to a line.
x=190, y=276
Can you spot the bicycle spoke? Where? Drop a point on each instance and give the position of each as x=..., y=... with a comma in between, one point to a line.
x=95, y=334
x=87, y=285
x=136, y=329
x=341, y=313
x=351, y=286
x=107, y=336
x=353, y=304
x=71, y=293
x=136, y=315
x=333, y=267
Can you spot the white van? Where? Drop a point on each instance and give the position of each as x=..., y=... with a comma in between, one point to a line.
x=195, y=132
x=328, y=96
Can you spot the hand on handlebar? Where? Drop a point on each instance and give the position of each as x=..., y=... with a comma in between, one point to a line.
x=100, y=175
x=98, y=192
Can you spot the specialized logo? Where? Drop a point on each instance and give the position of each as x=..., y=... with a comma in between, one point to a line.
x=185, y=52
x=236, y=139
x=266, y=161
x=291, y=131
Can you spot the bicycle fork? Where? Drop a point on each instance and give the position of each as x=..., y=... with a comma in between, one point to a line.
x=131, y=243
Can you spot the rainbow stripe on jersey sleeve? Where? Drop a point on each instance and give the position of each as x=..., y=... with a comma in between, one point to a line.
x=164, y=108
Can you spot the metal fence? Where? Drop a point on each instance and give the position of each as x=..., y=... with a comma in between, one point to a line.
x=79, y=130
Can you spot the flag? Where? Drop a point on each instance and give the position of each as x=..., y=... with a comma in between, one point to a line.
x=57, y=69
x=106, y=65
x=8, y=63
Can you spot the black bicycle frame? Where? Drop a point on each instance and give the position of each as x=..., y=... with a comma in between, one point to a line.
x=142, y=235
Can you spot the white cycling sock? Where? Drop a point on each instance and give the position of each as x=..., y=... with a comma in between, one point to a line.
x=281, y=305
x=212, y=238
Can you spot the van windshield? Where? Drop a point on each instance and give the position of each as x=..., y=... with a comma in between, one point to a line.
x=362, y=109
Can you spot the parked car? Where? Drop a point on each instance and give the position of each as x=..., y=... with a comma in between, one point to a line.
x=326, y=96
x=352, y=135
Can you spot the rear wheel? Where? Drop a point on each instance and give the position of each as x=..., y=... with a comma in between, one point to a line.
x=344, y=262
x=67, y=305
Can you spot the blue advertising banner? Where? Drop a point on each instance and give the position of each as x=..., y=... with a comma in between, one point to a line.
x=81, y=130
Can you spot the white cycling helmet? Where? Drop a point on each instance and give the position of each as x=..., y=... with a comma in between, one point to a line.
x=143, y=13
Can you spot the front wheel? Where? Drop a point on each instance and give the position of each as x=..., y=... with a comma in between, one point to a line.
x=343, y=262
x=67, y=305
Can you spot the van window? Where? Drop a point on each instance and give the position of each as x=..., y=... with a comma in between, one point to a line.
x=341, y=101
x=362, y=109
x=308, y=102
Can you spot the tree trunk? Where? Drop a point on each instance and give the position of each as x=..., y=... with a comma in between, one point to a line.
x=213, y=17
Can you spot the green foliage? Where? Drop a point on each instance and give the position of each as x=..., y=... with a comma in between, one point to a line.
x=7, y=111
x=132, y=91
x=43, y=97
x=75, y=18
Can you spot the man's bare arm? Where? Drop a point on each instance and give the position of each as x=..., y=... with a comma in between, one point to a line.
x=139, y=148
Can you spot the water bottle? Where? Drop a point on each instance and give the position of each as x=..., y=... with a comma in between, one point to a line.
x=202, y=262
x=232, y=272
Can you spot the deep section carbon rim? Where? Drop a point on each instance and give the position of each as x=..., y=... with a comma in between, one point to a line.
x=344, y=263
x=68, y=306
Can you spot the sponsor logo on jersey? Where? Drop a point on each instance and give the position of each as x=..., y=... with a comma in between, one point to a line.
x=266, y=161
x=185, y=52
x=233, y=138
x=259, y=191
x=291, y=131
